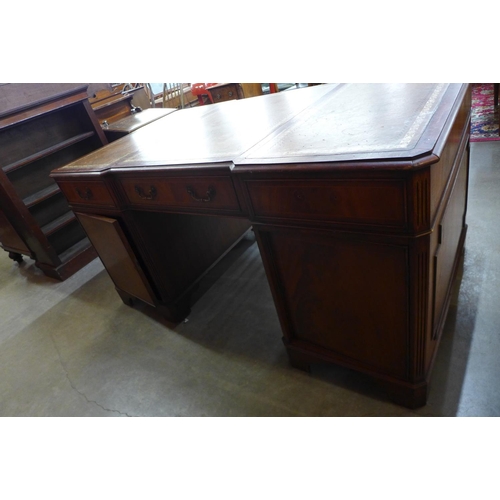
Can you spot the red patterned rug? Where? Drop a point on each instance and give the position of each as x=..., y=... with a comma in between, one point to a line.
x=484, y=119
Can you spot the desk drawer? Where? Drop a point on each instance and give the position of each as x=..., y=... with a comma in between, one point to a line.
x=93, y=193
x=224, y=93
x=372, y=202
x=205, y=193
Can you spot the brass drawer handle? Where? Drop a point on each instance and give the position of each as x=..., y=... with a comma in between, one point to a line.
x=151, y=195
x=85, y=195
x=209, y=196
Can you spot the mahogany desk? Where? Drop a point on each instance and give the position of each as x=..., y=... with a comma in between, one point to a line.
x=357, y=195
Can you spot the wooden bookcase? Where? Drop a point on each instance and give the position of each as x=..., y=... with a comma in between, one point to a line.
x=42, y=128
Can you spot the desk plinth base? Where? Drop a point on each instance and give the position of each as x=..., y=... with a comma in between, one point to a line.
x=174, y=313
x=402, y=393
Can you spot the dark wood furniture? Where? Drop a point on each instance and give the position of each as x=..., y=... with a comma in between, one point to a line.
x=41, y=129
x=225, y=92
x=111, y=106
x=134, y=121
x=357, y=195
x=118, y=115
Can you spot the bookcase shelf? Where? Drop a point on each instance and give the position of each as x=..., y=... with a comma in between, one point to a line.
x=46, y=152
x=41, y=195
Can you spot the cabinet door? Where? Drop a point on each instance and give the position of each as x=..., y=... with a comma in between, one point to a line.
x=117, y=255
x=450, y=231
x=343, y=295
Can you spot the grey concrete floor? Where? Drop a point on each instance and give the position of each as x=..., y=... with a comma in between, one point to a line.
x=74, y=349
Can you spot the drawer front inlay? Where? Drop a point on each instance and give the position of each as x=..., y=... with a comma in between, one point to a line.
x=205, y=193
x=377, y=202
x=87, y=193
